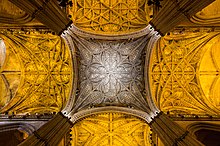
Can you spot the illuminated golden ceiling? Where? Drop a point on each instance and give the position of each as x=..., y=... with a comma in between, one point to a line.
x=111, y=16
x=111, y=129
x=38, y=71
x=185, y=73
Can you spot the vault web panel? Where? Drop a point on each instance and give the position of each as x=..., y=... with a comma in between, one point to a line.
x=111, y=73
x=110, y=16
x=45, y=71
x=185, y=74
x=110, y=129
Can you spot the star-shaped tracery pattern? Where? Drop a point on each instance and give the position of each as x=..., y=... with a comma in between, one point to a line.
x=45, y=73
x=111, y=129
x=110, y=16
x=111, y=73
x=179, y=78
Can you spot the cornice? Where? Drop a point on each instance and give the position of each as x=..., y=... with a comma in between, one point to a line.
x=148, y=31
x=82, y=114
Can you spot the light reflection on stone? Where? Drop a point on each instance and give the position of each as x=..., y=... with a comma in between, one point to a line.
x=111, y=72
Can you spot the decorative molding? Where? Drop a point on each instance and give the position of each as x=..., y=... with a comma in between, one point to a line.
x=27, y=128
x=72, y=98
x=198, y=126
x=12, y=15
x=208, y=16
x=73, y=30
x=151, y=44
x=27, y=123
x=96, y=110
x=193, y=117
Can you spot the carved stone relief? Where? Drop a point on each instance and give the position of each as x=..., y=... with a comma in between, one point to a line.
x=110, y=17
x=42, y=65
x=111, y=129
x=185, y=74
x=111, y=73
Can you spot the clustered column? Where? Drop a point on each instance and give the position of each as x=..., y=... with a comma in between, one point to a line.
x=171, y=133
x=47, y=12
x=174, y=12
x=51, y=133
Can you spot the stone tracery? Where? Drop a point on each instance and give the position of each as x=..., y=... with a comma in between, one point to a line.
x=179, y=74
x=111, y=129
x=45, y=73
x=111, y=72
x=114, y=16
x=105, y=74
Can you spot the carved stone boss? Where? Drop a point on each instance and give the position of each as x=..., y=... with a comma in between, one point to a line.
x=110, y=70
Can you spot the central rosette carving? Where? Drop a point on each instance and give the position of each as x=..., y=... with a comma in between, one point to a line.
x=111, y=72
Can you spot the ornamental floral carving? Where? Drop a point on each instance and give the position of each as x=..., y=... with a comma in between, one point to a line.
x=111, y=73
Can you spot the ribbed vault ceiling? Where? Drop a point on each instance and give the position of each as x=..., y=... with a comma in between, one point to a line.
x=103, y=66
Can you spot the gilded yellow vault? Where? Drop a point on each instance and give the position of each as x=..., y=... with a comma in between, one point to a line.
x=110, y=129
x=36, y=70
x=185, y=73
x=110, y=16
x=37, y=73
